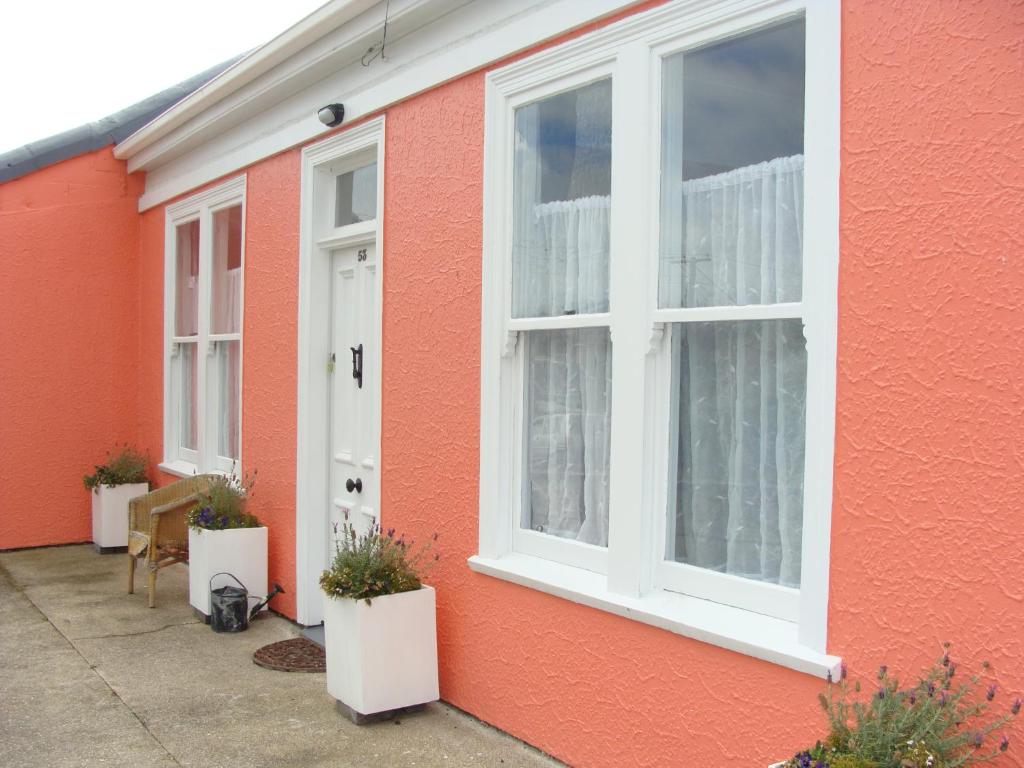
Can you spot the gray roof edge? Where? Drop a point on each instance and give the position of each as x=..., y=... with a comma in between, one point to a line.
x=105, y=131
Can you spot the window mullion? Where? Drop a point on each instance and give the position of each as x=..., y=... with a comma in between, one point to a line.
x=206, y=347
x=629, y=526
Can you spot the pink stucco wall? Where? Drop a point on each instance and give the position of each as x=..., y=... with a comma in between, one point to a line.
x=928, y=529
x=928, y=532
x=68, y=341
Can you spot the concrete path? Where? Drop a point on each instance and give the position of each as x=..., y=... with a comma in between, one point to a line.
x=89, y=676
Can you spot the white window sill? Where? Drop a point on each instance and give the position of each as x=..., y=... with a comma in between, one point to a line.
x=187, y=469
x=762, y=637
x=178, y=468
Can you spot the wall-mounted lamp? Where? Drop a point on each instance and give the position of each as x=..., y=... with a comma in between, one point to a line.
x=332, y=114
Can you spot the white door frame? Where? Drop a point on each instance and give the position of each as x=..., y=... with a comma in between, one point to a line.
x=316, y=241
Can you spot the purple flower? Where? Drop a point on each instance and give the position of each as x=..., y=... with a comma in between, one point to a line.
x=952, y=669
x=391, y=533
x=1015, y=707
x=931, y=689
x=882, y=670
x=912, y=697
x=945, y=659
x=978, y=739
x=991, y=693
x=943, y=698
x=1004, y=743
x=881, y=693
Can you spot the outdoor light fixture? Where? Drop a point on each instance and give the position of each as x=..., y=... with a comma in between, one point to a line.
x=332, y=114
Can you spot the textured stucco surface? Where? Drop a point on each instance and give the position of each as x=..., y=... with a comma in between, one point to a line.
x=928, y=522
x=928, y=531
x=68, y=340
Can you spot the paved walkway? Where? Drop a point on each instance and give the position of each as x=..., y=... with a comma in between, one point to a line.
x=89, y=676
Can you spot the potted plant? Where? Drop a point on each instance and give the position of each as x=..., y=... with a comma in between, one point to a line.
x=379, y=624
x=939, y=721
x=113, y=484
x=224, y=538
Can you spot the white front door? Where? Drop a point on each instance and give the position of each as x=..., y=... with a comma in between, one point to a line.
x=354, y=391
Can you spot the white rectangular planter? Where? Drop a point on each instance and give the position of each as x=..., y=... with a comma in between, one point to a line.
x=110, y=514
x=382, y=656
x=242, y=552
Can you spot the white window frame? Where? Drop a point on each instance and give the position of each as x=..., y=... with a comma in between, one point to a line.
x=631, y=577
x=178, y=460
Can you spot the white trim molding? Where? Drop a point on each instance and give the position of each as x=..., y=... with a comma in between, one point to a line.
x=320, y=163
x=632, y=577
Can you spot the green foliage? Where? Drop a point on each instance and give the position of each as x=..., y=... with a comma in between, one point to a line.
x=375, y=564
x=941, y=721
x=127, y=466
x=223, y=505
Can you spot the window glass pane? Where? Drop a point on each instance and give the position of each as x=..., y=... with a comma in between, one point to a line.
x=186, y=279
x=561, y=199
x=737, y=448
x=228, y=394
x=732, y=171
x=566, y=442
x=187, y=388
x=356, y=197
x=227, y=270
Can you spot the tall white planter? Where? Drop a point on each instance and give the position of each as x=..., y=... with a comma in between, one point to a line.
x=382, y=656
x=242, y=552
x=110, y=515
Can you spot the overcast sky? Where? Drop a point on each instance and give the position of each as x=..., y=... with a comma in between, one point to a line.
x=65, y=63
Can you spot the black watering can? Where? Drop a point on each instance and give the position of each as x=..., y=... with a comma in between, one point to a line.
x=229, y=606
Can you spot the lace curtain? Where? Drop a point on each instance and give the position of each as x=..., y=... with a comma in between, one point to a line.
x=568, y=377
x=739, y=387
x=560, y=261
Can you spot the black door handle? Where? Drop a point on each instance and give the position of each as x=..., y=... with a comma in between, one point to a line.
x=354, y=485
x=357, y=365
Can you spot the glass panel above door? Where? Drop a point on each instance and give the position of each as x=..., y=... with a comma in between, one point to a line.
x=356, y=196
x=732, y=171
x=561, y=201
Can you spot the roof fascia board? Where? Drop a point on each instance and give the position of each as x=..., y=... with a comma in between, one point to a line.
x=463, y=40
x=338, y=47
x=262, y=60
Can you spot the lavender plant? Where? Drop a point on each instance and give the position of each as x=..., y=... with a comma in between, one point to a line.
x=941, y=721
x=223, y=504
x=127, y=466
x=375, y=563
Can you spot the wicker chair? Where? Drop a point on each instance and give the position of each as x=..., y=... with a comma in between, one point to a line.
x=157, y=529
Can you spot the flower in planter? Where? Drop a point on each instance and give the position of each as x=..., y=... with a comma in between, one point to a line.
x=374, y=564
x=931, y=724
x=123, y=468
x=222, y=506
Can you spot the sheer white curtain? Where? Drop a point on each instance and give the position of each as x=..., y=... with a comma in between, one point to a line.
x=740, y=240
x=560, y=263
x=568, y=377
x=739, y=387
x=228, y=373
x=227, y=288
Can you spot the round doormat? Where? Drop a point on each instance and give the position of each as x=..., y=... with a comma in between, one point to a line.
x=296, y=655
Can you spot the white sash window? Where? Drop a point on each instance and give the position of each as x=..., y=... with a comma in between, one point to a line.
x=203, y=322
x=658, y=352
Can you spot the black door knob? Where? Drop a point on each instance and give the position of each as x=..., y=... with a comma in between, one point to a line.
x=354, y=485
